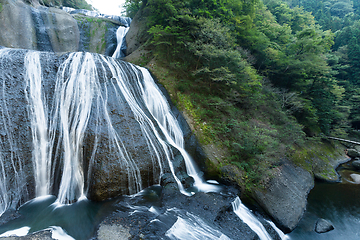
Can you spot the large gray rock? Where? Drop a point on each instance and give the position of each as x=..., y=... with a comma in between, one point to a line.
x=41, y=235
x=112, y=125
x=137, y=34
x=97, y=35
x=54, y=30
x=356, y=164
x=285, y=195
x=323, y=226
x=16, y=26
x=41, y=28
x=205, y=211
x=353, y=153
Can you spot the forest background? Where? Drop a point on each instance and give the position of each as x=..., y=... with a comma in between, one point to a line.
x=261, y=80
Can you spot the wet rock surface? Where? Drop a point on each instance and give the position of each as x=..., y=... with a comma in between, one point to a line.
x=41, y=28
x=54, y=30
x=154, y=213
x=356, y=164
x=323, y=226
x=353, y=153
x=107, y=174
x=42, y=235
x=285, y=197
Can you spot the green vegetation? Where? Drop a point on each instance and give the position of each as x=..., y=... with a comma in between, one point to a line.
x=260, y=80
x=77, y=4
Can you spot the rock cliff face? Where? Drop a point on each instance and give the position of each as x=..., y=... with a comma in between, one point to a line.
x=285, y=195
x=52, y=29
x=121, y=148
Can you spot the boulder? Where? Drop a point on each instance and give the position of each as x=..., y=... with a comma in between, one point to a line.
x=323, y=226
x=356, y=164
x=54, y=30
x=137, y=34
x=40, y=235
x=355, y=177
x=41, y=28
x=352, y=153
x=97, y=35
x=285, y=196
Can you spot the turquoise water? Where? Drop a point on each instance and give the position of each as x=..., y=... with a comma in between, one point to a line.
x=337, y=202
x=78, y=220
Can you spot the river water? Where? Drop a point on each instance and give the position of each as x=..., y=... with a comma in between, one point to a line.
x=336, y=202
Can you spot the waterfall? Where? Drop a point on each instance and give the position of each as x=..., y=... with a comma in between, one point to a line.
x=59, y=118
x=123, y=20
x=58, y=127
x=247, y=217
x=160, y=109
x=278, y=231
x=121, y=44
x=43, y=39
x=159, y=145
x=38, y=114
x=192, y=227
x=75, y=88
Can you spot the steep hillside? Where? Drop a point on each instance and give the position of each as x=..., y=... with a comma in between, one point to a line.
x=258, y=103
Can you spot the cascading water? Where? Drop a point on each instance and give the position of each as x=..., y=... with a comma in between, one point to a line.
x=43, y=40
x=282, y=235
x=121, y=44
x=245, y=215
x=38, y=114
x=58, y=127
x=193, y=227
x=160, y=109
x=75, y=88
x=124, y=20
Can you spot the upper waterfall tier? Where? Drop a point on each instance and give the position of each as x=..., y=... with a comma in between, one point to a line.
x=53, y=29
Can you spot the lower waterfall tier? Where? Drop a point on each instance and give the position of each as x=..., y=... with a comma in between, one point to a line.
x=83, y=124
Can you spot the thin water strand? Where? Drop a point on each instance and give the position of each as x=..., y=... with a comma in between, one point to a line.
x=125, y=160
x=73, y=94
x=247, y=217
x=157, y=146
x=120, y=37
x=39, y=122
x=192, y=227
x=160, y=109
x=282, y=235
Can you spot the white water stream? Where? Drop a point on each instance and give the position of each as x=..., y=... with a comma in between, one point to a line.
x=39, y=123
x=249, y=218
x=160, y=109
x=120, y=36
x=194, y=228
x=78, y=95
